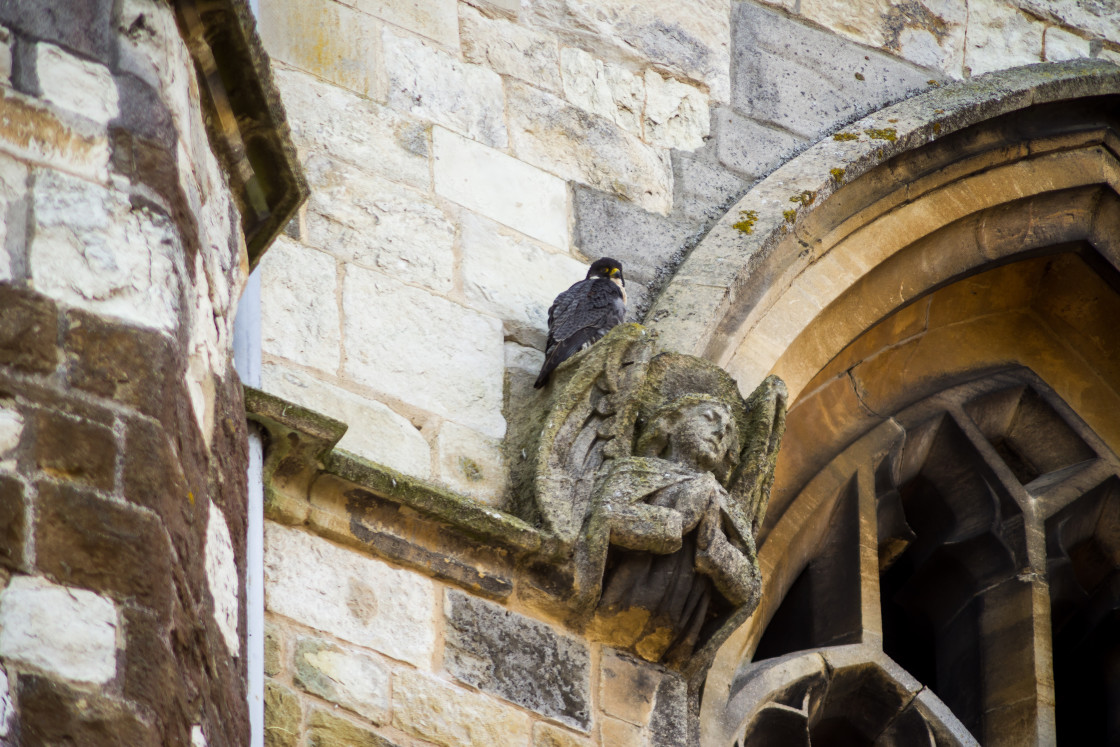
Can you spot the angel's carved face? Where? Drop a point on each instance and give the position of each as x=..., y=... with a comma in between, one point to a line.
x=703, y=436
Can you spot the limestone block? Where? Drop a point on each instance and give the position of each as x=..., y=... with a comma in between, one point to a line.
x=11, y=430
x=602, y=88
x=806, y=80
x=7, y=708
x=471, y=463
x=565, y=140
x=424, y=350
x=223, y=579
x=76, y=85
x=500, y=187
x=1063, y=45
x=71, y=633
x=373, y=222
x=548, y=735
x=517, y=658
x=1100, y=19
x=1000, y=37
x=147, y=55
x=703, y=189
x=353, y=129
x=509, y=49
x=299, y=308
x=93, y=250
x=435, y=19
x=5, y=66
x=431, y=84
x=327, y=39
x=376, y=432
x=516, y=279
x=676, y=115
x=627, y=688
x=438, y=712
x=352, y=680
x=349, y=595
x=751, y=148
x=863, y=21
x=32, y=130
x=523, y=359
x=690, y=39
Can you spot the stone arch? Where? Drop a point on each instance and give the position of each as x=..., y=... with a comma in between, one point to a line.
x=947, y=242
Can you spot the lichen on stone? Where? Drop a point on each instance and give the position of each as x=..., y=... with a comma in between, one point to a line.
x=789, y=215
x=747, y=220
x=837, y=176
x=842, y=136
x=886, y=133
x=805, y=197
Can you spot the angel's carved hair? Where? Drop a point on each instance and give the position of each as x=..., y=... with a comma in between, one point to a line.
x=653, y=436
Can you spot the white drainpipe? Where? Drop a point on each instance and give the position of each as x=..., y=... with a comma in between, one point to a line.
x=247, y=359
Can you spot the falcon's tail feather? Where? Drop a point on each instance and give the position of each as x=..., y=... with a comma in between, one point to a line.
x=565, y=350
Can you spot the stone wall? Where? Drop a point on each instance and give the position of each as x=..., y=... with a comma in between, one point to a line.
x=363, y=652
x=468, y=158
x=122, y=436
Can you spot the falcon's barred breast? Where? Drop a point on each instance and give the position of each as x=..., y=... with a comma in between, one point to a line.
x=584, y=313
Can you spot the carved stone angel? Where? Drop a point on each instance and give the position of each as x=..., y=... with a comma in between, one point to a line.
x=654, y=473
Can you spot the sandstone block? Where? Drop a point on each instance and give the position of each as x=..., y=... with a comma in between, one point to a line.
x=87, y=541
x=13, y=523
x=274, y=652
x=299, y=311
x=222, y=579
x=75, y=450
x=424, y=350
x=435, y=19
x=548, y=735
x=28, y=330
x=76, y=85
x=376, y=432
x=510, y=49
x=565, y=140
x=806, y=80
x=690, y=39
x=52, y=713
x=1063, y=45
x=282, y=716
x=438, y=712
x=518, y=659
x=602, y=88
x=133, y=366
x=328, y=39
x=325, y=730
x=93, y=250
x=619, y=733
x=373, y=222
x=71, y=633
x=349, y=595
x=353, y=129
x=470, y=463
x=627, y=688
x=352, y=680
x=512, y=277
x=500, y=187
x=1000, y=37
x=676, y=115
x=431, y=84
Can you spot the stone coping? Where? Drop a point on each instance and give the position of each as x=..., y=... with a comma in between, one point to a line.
x=249, y=130
x=708, y=284
x=292, y=464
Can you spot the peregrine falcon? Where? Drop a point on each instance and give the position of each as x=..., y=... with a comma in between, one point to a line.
x=584, y=313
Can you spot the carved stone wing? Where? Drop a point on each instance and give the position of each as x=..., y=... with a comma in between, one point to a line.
x=590, y=419
x=761, y=436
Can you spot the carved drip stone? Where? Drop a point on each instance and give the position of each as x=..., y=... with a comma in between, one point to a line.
x=652, y=473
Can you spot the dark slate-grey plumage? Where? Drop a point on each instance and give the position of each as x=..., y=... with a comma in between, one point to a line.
x=583, y=314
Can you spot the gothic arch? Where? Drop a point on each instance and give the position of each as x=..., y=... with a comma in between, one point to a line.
x=927, y=281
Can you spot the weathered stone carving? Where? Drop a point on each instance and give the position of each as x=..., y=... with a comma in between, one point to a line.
x=653, y=474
